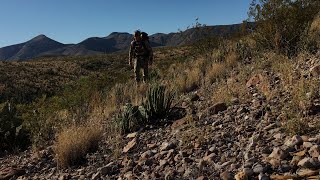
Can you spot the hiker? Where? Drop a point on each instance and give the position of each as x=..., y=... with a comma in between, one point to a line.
x=141, y=52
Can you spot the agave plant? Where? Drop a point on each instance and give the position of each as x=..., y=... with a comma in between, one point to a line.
x=158, y=102
x=129, y=119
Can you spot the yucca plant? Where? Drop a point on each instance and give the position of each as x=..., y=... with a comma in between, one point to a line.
x=158, y=102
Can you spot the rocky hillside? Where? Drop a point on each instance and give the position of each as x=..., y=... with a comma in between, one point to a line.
x=115, y=42
x=249, y=137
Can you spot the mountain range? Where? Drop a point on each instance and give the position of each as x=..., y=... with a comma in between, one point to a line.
x=42, y=45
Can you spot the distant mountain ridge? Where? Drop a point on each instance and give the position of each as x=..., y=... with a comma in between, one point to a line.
x=115, y=42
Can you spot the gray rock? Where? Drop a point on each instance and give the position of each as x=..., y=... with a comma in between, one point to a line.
x=210, y=157
x=202, y=178
x=187, y=172
x=163, y=162
x=201, y=164
x=95, y=176
x=263, y=177
x=187, y=160
x=284, y=168
x=258, y=169
x=226, y=175
x=295, y=140
x=109, y=169
x=314, y=151
x=248, y=172
x=278, y=153
x=217, y=108
x=270, y=126
x=307, y=145
x=165, y=146
x=307, y=172
x=309, y=163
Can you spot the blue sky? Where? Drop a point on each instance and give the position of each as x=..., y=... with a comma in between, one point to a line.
x=72, y=21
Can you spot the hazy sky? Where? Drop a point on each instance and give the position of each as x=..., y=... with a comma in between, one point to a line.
x=72, y=21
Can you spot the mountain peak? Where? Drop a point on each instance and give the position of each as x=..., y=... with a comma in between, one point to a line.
x=117, y=34
x=40, y=37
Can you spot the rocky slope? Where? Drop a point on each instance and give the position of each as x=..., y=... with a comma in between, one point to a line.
x=241, y=140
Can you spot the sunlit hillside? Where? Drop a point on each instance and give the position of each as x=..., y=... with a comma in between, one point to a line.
x=241, y=107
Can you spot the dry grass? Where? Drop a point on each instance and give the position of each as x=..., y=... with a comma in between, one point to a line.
x=296, y=126
x=184, y=78
x=315, y=28
x=215, y=71
x=226, y=91
x=232, y=59
x=303, y=91
x=129, y=92
x=75, y=142
x=284, y=68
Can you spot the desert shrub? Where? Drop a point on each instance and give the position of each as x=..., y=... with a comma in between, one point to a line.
x=310, y=40
x=225, y=47
x=280, y=23
x=12, y=133
x=245, y=48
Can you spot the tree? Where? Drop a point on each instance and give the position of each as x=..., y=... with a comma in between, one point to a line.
x=281, y=23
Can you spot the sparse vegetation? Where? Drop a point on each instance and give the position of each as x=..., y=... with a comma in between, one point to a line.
x=77, y=102
x=73, y=143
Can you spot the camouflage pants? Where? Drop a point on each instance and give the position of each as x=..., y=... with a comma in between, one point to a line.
x=141, y=63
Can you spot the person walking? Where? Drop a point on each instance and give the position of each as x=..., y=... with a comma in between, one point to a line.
x=141, y=52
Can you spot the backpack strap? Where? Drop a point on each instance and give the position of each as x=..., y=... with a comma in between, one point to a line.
x=145, y=48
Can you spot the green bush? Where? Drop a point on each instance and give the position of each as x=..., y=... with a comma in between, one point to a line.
x=280, y=23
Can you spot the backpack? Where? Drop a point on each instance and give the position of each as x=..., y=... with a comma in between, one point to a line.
x=140, y=47
x=145, y=37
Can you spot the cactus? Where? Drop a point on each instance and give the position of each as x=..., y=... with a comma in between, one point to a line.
x=158, y=102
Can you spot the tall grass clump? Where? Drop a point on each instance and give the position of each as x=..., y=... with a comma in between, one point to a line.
x=188, y=80
x=73, y=143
